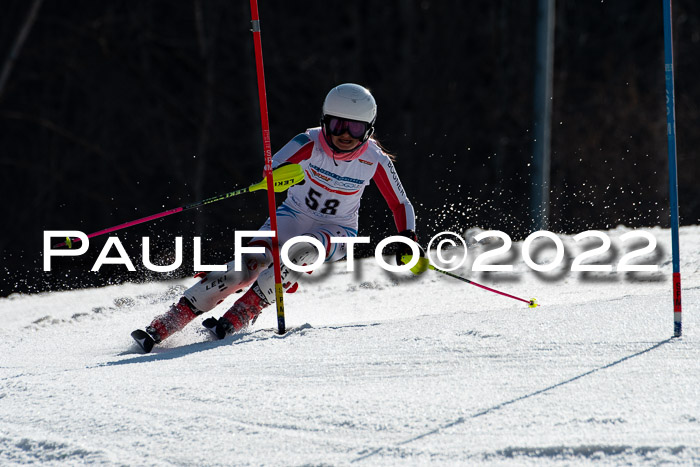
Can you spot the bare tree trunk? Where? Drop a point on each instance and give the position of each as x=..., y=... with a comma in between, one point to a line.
x=19, y=42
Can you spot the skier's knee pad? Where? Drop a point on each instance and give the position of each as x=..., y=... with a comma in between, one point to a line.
x=300, y=254
x=215, y=286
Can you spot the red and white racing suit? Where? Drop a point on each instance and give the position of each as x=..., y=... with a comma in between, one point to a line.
x=328, y=203
x=325, y=206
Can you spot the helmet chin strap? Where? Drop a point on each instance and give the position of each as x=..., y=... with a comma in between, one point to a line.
x=335, y=148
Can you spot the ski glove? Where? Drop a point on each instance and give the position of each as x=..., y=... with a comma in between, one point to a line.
x=402, y=248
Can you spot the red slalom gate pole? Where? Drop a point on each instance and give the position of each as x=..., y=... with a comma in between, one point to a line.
x=267, y=147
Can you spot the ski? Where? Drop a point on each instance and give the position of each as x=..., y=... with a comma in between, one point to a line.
x=144, y=340
x=213, y=325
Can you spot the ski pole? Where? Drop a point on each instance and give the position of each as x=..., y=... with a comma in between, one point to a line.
x=423, y=264
x=283, y=178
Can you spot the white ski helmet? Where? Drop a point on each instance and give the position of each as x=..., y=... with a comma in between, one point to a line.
x=350, y=102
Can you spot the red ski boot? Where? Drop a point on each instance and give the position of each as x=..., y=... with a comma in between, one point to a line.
x=245, y=311
x=176, y=318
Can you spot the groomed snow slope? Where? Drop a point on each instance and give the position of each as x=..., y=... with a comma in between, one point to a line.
x=377, y=369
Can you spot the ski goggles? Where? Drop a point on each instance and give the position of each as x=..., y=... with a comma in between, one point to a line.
x=337, y=126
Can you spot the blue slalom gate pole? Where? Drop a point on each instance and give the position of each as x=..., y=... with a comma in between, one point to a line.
x=672, y=172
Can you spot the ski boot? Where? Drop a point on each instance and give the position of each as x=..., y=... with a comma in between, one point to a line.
x=163, y=326
x=245, y=311
x=262, y=293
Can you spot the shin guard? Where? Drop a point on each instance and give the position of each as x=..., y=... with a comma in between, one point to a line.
x=262, y=293
x=214, y=287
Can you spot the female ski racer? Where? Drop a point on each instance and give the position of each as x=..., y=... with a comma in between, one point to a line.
x=339, y=159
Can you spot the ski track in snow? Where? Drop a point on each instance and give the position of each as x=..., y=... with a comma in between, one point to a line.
x=376, y=369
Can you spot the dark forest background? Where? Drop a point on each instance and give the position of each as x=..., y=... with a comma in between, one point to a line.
x=114, y=110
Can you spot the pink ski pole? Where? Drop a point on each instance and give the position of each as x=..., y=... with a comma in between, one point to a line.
x=284, y=177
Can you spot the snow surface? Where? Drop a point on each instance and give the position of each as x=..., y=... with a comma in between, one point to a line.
x=377, y=369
